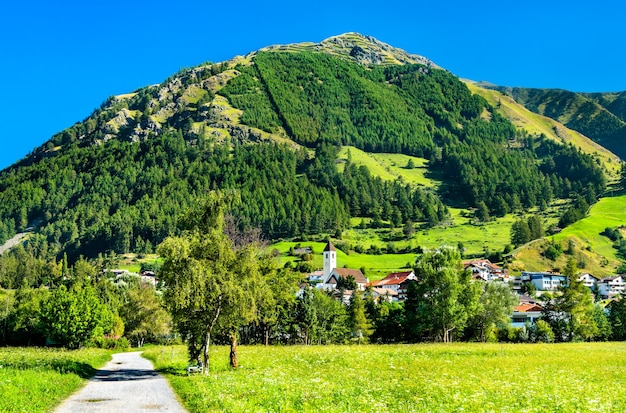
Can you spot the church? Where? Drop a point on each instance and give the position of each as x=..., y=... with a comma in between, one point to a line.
x=331, y=274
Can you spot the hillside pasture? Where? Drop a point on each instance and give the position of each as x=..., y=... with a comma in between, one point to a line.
x=390, y=166
x=593, y=250
x=476, y=240
x=376, y=265
x=609, y=212
x=405, y=378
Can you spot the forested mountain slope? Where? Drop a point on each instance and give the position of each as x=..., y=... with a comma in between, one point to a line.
x=599, y=116
x=269, y=126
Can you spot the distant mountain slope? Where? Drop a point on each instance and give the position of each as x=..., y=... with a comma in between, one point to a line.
x=600, y=116
x=537, y=124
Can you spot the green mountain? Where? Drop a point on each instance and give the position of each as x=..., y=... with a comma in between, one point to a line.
x=599, y=116
x=268, y=128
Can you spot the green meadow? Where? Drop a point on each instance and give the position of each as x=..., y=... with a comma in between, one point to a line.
x=390, y=166
x=579, y=377
x=35, y=379
x=608, y=212
x=475, y=238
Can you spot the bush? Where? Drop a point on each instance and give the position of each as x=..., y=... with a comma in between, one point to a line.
x=541, y=332
x=108, y=343
x=305, y=267
x=553, y=251
x=506, y=333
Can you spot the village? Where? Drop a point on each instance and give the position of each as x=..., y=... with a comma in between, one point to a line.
x=528, y=287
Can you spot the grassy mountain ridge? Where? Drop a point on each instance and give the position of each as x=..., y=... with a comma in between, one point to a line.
x=537, y=124
x=600, y=116
x=269, y=125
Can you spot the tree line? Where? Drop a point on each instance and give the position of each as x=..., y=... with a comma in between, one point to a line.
x=219, y=285
x=122, y=197
x=84, y=305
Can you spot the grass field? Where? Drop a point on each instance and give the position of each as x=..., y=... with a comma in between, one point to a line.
x=582, y=377
x=390, y=166
x=492, y=236
x=35, y=380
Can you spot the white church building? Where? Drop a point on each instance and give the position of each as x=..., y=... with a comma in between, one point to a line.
x=331, y=274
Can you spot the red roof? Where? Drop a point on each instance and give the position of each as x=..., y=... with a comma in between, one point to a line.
x=525, y=308
x=346, y=272
x=394, y=278
x=481, y=263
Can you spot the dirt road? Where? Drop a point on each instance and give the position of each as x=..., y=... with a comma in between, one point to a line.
x=126, y=384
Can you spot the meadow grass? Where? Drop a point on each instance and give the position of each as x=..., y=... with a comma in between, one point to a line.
x=376, y=265
x=405, y=378
x=389, y=166
x=476, y=238
x=607, y=212
x=37, y=379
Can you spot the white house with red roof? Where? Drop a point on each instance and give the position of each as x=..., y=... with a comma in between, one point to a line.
x=332, y=274
x=525, y=313
x=396, y=281
x=485, y=270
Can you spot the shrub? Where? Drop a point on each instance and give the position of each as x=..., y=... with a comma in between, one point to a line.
x=109, y=343
x=541, y=332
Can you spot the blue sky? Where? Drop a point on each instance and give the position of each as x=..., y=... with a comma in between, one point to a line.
x=61, y=60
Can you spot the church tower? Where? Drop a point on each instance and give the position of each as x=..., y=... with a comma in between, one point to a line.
x=330, y=260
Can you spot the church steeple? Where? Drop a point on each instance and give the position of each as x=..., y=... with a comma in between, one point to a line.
x=330, y=259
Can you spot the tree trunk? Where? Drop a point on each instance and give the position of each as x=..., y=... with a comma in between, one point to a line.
x=234, y=363
x=206, y=355
x=267, y=336
x=207, y=360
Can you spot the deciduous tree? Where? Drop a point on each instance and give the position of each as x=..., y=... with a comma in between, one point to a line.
x=444, y=298
x=210, y=283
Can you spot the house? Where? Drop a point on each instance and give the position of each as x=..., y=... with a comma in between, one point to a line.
x=396, y=281
x=331, y=274
x=333, y=279
x=611, y=286
x=345, y=298
x=149, y=277
x=316, y=277
x=485, y=270
x=525, y=313
x=588, y=280
x=384, y=294
x=544, y=281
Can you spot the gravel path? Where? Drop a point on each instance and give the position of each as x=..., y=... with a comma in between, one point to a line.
x=126, y=384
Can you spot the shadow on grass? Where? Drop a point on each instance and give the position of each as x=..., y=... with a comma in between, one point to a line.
x=83, y=370
x=172, y=371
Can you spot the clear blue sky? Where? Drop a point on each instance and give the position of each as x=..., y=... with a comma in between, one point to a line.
x=60, y=60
